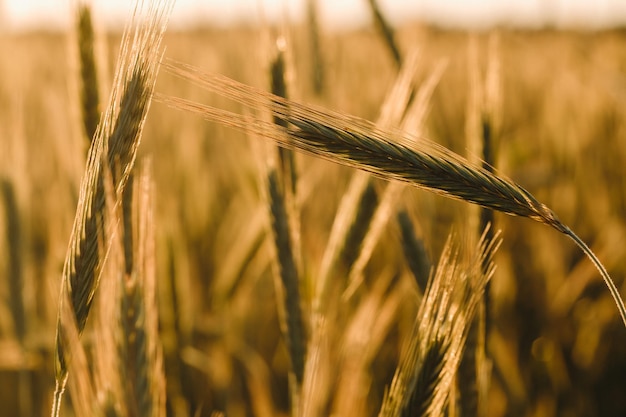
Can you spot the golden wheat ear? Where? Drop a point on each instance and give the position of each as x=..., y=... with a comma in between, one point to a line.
x=388, y=154
x=113, y=150
x=425, y=373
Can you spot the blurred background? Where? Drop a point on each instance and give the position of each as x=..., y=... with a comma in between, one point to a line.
x=337, y=15
x=547, y=78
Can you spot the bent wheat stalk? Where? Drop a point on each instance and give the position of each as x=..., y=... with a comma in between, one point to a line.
x=388, y=154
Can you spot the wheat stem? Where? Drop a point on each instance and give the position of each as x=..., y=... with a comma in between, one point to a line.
x=603, y=272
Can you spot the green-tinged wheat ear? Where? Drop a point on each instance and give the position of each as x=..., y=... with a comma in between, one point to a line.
x=427, y=366
x=359, y=144
x=90, y=98
x=114, y=148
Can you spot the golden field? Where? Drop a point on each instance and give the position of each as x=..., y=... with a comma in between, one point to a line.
x=555, y=341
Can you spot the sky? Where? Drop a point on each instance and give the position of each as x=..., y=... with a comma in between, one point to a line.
x=335, y=14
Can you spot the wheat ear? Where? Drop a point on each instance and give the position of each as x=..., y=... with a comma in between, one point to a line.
x=288, y=293
x=426, y=370
x=356, y=143
x=115, y=144
x=281, y=185
x=139, y=353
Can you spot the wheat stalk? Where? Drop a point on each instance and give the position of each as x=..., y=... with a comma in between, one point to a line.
x=389, y=154
x=114, y=148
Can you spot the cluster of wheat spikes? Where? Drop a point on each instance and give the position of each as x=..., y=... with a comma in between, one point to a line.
x=112, y=241
x=111, y=155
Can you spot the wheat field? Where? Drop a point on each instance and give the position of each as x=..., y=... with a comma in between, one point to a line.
x=159, y=263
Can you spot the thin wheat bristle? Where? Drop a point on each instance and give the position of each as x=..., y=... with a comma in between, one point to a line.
x=113, y=150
